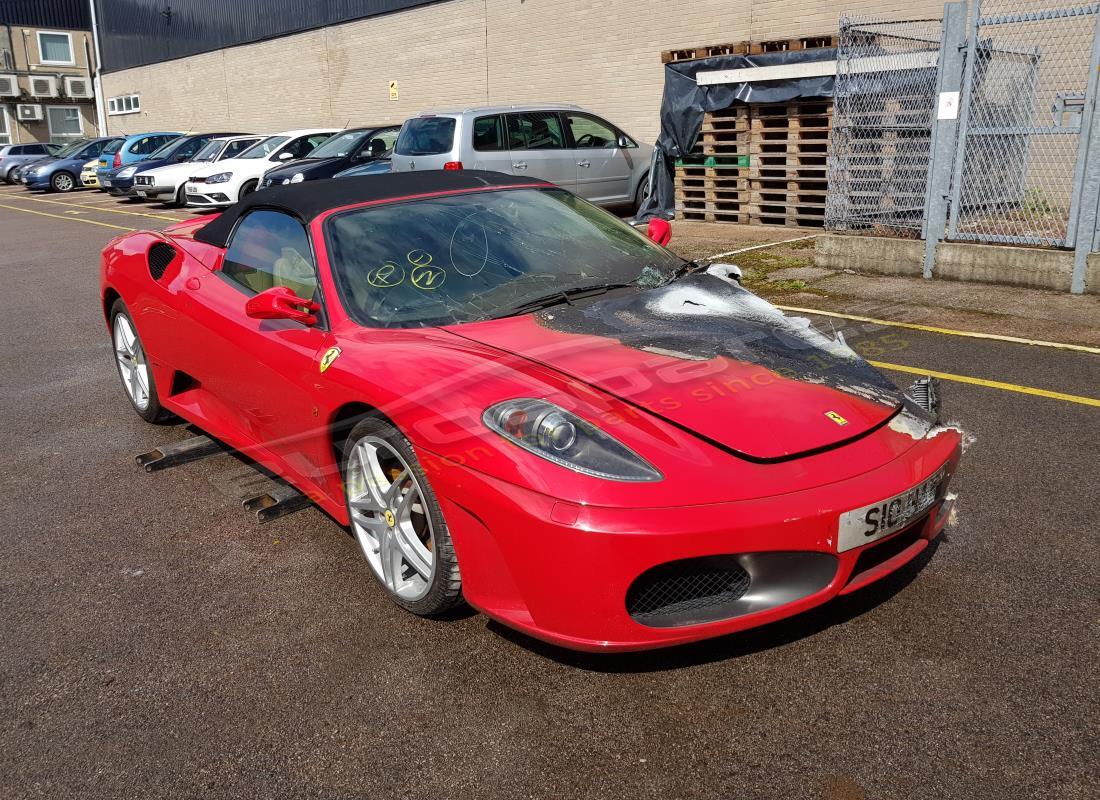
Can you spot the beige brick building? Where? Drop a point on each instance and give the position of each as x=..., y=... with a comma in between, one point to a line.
x=46, y=73
x=602, y=55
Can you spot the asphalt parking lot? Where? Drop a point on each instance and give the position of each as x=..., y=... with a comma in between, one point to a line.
x=158, y=642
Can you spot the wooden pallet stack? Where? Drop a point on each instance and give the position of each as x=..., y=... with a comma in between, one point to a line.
x=761, y=164
x=788, y=149
x=745, y=48
x=712, y=182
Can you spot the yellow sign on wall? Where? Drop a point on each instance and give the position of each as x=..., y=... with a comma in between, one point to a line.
x=393, y=91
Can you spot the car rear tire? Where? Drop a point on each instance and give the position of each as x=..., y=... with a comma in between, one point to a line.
x=7, y=177
x=133, y=366
x=62, y=182
x=247, y=189
x=641, y=194
x=397, y=521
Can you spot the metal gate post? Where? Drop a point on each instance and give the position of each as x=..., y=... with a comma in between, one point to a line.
x=944, y=128
x=1086, y=196
x=964, y=116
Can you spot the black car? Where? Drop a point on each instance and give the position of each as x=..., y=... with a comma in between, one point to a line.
x=348, y=148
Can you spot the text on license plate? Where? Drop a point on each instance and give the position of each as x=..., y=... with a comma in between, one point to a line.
x=873, y=522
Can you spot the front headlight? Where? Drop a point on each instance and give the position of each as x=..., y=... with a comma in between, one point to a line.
x=551, y=432
x=297, y=177
x=221, y=177
x=126, y=173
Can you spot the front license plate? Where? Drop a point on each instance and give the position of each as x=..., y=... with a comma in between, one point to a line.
x=106, y=182
x=879, y=520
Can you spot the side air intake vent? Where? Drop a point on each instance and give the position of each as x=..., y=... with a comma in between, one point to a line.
x=160, y=256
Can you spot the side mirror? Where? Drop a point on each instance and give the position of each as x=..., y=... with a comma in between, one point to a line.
x=284, y=156
x=659, y=230
x=279, y=302
x=624, y=141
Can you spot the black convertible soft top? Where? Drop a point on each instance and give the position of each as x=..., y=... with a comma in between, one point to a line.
x=308, y=200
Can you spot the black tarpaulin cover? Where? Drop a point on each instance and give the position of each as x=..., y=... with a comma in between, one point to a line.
x=685, y=102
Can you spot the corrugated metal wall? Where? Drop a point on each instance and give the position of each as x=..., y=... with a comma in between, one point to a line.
x=136, y=32
x=66, y=14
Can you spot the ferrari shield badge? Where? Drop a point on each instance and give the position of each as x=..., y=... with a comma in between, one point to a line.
x=330, y=355
x=835, y=417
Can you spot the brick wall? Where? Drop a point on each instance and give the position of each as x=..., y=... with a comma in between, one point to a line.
x=602, y=55
x=25, y=53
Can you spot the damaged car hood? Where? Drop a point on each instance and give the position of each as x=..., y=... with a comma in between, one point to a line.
x=711, y=357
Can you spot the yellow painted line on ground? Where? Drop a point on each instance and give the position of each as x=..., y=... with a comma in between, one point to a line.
x=1007, y=387
x=1080, y=348
x=101, y=208
x=68, y=219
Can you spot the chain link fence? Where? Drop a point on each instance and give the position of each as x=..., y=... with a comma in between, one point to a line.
x=884, y=108
x=1013, y=165
x=1020, y=129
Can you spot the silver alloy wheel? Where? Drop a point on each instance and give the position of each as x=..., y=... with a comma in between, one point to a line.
x=390, y=518
x=132, y=366
x=63, y=183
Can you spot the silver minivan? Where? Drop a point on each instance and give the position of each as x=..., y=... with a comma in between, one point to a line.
x=565, y=145
x=17, y=155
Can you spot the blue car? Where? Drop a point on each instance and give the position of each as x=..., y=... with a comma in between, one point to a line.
x=134, y=148
x=175, y=151
x=61, y=173
x=377, y=167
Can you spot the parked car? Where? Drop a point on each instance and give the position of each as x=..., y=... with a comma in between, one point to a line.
x=565, y=145
x=16, y=155
x=380, y=166
x=175, y=151
x=62, y=172
x=134, y=148
x=354, y=147
x=437, y=360
x=166, y=183
x=88, y=177
x=226, y=182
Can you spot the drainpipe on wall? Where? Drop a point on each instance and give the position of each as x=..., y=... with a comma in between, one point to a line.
x=12, y=119
x=100, y=117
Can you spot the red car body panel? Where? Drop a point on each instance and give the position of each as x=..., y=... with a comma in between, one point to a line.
x=542, y=548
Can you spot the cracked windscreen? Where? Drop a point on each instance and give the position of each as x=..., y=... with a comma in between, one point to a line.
x=476, y=256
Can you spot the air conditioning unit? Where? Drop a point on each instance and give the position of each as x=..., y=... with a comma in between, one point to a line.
x=78, y=88
x=29, y=112
x=43, y=86
x=9, y=86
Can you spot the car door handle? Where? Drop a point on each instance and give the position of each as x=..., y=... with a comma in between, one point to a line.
x=584, y=163
x=520, y=165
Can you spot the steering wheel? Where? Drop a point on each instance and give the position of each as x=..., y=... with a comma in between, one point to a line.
x=586, y=140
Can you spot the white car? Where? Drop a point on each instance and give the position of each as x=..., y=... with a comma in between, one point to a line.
x=167, y=183
x=226, y=182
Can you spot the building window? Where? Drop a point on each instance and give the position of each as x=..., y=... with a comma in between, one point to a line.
x=55, y=48
x=64, y=121
x=124, y=104
x=5, y=126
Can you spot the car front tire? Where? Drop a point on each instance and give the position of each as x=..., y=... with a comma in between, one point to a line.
x=247, y=189
x=397, y=520
x=62, y=182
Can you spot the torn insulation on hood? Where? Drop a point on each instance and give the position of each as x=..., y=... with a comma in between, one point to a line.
x=702, y=317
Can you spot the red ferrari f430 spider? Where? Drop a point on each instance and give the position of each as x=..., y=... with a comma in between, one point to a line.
x=517, y=400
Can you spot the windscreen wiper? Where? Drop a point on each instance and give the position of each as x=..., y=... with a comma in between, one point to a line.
x=562, y=296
